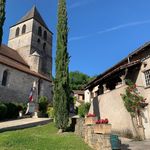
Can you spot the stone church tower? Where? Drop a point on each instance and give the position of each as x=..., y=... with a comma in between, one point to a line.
x=33, y=40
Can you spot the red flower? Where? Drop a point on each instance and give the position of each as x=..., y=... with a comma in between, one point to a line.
x=91, y=115
x=106, y=121
x=102, y=121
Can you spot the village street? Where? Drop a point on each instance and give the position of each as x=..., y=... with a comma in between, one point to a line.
x=129, y=144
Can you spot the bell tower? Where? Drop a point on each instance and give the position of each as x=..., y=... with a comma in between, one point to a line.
x=33, y=40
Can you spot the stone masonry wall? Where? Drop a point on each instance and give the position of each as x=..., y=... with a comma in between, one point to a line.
x=19, y=85
x=95, y=141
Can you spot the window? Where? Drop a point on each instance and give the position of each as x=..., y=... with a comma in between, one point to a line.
x=40, y=31
x=24, y=29
x=39, y=41
x=17, y=31
x=147, y=77
x=5, y=77
x=44, y=46
x=44, y=64
x=45, y=35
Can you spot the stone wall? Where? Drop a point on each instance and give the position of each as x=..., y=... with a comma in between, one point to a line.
x=19, y=85
x=95, y=141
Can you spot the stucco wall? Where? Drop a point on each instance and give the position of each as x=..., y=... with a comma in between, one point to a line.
x=111, y=106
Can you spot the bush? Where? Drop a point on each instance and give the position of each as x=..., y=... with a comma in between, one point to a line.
x=12, y=110
x=3, y=111
x=50, y=112
x=83, y=109
x=43, y=104
x=20, y=107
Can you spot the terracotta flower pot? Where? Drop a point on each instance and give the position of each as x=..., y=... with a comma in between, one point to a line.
x=90, y=120
x=102, y=128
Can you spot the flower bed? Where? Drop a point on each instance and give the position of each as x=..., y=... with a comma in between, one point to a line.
x=91, y=119
x=91, y=115
x=102, y=126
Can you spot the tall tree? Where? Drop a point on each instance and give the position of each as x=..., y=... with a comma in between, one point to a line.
x=61, y=88
x=2, y=18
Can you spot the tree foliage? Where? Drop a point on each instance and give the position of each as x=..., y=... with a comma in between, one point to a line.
x=61, y=87
x=83, y=109
x=2, y=18
x=78, y=80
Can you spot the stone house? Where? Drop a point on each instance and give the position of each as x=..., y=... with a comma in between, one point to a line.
x=104, y=92
x=27, y=59
x=79, y=95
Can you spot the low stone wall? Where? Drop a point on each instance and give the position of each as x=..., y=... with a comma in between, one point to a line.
x=95, y=141
x=80, y=127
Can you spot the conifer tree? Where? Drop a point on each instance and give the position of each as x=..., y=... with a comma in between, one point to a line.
x=61, y=88
x=2, y=18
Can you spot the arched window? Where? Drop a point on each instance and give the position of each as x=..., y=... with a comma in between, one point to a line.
x=45, y=35
x=44, y=46
x=39, y=41
x=17, y=31
x=24, y=29
x=5, y=78
x=40, y=31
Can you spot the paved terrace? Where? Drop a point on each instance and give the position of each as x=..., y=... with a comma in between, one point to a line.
x=129, y=144
x=23, y=123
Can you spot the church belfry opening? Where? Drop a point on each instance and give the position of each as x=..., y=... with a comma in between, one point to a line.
x=24, y=29
x=17, y=31
x=39, y=31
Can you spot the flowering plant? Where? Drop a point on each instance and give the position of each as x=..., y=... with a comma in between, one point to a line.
x=102, y=121
x=91, y=115
x=133, y=101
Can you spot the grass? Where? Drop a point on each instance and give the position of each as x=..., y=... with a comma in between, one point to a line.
x=41, y=138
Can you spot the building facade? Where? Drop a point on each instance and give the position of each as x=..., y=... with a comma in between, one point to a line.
x=27, y=59
x=104, y=93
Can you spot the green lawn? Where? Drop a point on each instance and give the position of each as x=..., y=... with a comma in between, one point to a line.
x=40, y=138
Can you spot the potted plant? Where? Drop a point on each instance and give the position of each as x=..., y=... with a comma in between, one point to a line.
x=102, y=126
x=90, y=119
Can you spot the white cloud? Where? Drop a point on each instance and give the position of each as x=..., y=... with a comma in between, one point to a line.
x=124, y=26
x=110, y=30
x=79, y=38
x=81, y=3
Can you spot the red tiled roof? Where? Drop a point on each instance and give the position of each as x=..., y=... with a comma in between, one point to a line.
x=12, y=54
x=120, y=65
x=11, y=58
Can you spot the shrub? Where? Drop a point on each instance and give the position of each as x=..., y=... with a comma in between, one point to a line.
x=50, y=112
x=12, y=110
x=83, y=109
x=20, y=107
x=24, y=108
x=43, y=104
x=3, y=111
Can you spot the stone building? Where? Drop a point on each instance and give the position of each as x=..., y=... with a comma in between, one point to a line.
x=79, y=97
x=27, y=59
x=104, y=92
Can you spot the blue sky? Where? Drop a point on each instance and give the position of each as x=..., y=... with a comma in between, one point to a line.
x=101, y=32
